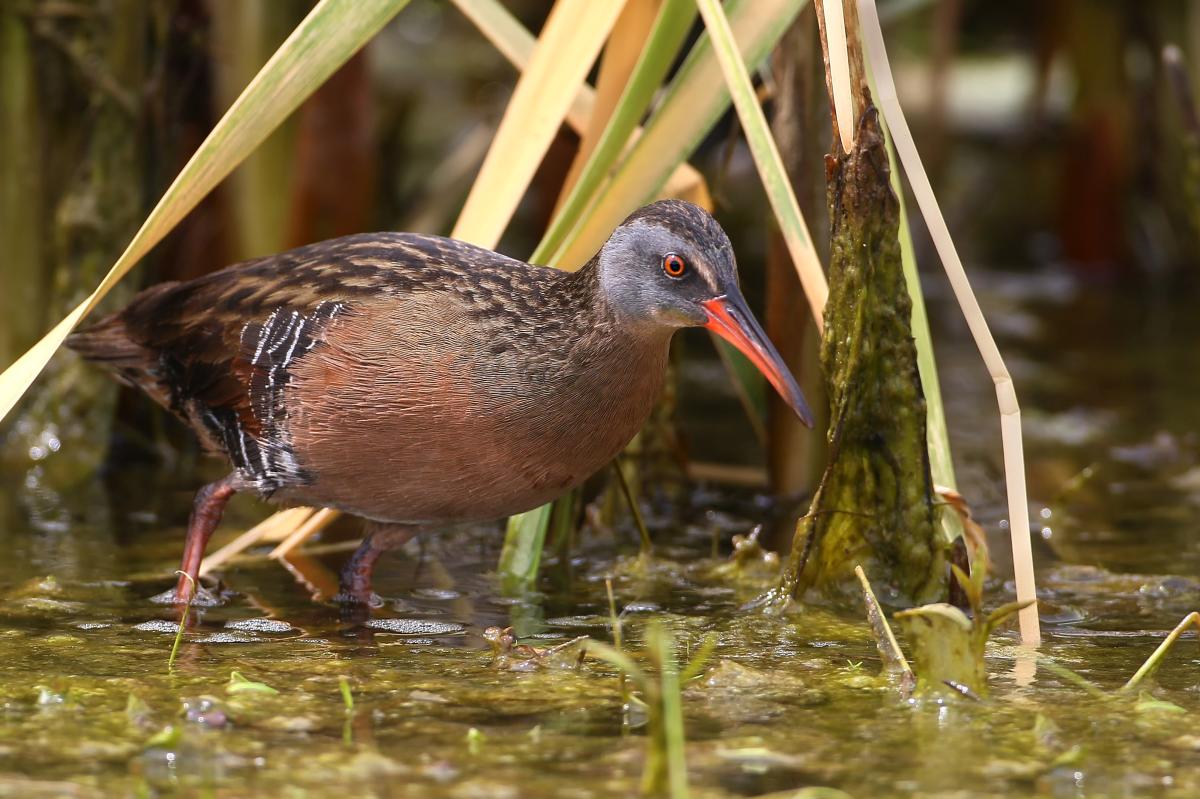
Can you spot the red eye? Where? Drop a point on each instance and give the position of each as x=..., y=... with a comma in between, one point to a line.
x=674, y=265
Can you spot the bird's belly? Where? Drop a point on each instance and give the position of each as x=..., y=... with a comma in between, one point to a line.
x=438, y=429
x=448, y=458
x=458, y=478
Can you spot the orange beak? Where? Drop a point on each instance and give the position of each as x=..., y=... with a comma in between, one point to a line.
x=730, y=319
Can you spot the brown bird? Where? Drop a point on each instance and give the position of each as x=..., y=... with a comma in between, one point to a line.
x=415, y=380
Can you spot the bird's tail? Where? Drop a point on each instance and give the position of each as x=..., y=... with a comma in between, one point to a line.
x=108, y=343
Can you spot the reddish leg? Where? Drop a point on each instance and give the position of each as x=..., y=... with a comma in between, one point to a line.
x=206, y=515
x=356, y=574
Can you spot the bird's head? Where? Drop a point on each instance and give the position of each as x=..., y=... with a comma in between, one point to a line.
x=670, y=265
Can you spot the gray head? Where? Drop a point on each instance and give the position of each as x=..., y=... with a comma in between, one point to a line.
x=670, y=265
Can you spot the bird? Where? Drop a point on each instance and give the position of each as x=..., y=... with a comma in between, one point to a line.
x=417, y=381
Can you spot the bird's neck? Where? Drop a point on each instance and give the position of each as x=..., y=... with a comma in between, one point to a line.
x=604, y=327
x=596, y=383
x=582, y=291
x=616, y=362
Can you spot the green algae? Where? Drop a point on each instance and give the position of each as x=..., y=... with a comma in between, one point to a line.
x=875, y=504
x=786, y=703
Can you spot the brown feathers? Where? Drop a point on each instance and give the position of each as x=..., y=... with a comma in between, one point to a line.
x=417, y=379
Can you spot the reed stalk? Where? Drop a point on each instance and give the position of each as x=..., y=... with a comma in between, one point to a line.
x=21, y=188
x=569, y=44
x=1006, y=396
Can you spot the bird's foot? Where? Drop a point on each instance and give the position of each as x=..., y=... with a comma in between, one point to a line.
x=354, y=607
x=366, y=599
x=201, y=598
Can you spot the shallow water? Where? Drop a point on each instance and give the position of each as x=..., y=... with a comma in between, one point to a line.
x=90, y=708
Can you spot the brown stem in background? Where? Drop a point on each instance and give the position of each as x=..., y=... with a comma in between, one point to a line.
x=1181, y=86
x=795, y=456
x=946, y=21
x=860, y=90
x=819, y=7
x=336, y=158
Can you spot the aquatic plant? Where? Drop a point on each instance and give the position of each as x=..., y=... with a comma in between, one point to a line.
x=948, y=646
x=184, y=620
x=665, y=772
x=240, y=684
x=875, y=502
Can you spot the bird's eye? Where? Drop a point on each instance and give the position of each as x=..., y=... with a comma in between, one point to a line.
x=674, y=265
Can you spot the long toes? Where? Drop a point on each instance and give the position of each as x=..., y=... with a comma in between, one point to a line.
x=358, y=597
x=203, y=598
x=355, y=607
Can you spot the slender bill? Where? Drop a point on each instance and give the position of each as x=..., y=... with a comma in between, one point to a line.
x=730, y=319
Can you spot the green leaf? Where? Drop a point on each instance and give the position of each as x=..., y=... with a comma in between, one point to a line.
x=1148, y=703
x=660, y=646
x=522, y=553
x=618, y=659
x=703, y=654
x=168, y=737
x=1157, y=657
x=941, y=464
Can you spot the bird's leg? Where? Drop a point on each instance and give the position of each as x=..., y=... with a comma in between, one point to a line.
x=206, y=515
x=356, y=574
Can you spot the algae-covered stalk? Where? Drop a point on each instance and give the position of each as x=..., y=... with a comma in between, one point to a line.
x=875, y=504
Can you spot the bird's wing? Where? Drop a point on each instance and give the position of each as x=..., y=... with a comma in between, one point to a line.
x=219, y=350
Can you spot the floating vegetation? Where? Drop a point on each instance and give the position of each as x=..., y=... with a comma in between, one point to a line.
x=512, y=656
x=239, y=684
x=415, y=626
x=259, y=625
